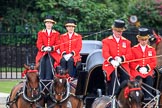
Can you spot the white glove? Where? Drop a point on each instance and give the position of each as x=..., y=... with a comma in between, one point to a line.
x=48, y=48
x=143, y=70
x=115, y=63
x=66, y=57
x=117, y=58
x=69, y=55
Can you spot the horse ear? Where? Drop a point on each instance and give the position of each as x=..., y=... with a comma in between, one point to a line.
x=140, y=82
x=26, y=67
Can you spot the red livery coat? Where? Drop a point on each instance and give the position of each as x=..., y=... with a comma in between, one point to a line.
x=147, y=58
x=111, y=49
x=45, y=40
x=74, y=45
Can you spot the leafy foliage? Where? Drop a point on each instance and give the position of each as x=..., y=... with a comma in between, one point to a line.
x=147, y=12
x=91, y=15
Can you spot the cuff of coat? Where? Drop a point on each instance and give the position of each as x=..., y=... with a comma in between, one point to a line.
x=148, y=67
x=73, y=52
x=122, y=58
x=42, y=47
x=53, y=48
x=63, y=53
x=138, y=67
x=110, y=59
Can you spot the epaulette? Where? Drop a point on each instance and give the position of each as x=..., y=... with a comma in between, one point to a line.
x=44, y=30
x=64, y=34
x=110, y=37
x=53, y=31
x=136, y=45
x=76, y=34
x=124, y=38
x=149, y=46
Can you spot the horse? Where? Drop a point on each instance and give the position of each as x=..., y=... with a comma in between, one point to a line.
x=62, y=95
x=27, y=94
x=129, y=95
x=156, y=42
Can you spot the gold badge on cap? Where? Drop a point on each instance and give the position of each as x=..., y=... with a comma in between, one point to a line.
x=124, y=45
x=149, y=53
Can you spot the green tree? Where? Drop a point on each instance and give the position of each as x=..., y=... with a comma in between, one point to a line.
x=147, y=12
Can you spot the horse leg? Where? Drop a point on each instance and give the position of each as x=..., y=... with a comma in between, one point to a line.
x=76, y=102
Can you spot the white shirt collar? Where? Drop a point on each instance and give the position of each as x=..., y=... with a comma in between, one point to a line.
x=143, y=48
x=70, y=35
x=48, y=31
x=117, y=39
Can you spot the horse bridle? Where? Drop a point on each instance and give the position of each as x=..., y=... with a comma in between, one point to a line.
x=53, y=93
x=32, y=90
x=127, y=92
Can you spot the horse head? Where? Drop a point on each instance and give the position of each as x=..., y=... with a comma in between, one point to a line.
x=154, y=39
x=131, y=95
x=32, y=74
x=60, y=88
x=32, y=87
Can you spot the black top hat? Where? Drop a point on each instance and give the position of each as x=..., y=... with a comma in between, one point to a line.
x=70, y=22
x=49, y=18
x=143, y=33
x=119, y=23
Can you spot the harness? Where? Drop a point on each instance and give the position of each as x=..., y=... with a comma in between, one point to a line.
x=34, y=99
x=52, y=94
x=14, y=101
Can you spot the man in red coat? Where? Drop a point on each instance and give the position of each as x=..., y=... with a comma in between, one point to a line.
x=47, y=44
x=116, y=50
x=70, y=47
x=144, y=57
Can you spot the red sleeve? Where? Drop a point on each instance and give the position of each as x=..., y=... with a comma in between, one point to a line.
x=78, y=42
x=105, y=49
x=39, y=42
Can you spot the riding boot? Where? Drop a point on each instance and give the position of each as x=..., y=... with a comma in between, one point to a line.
x=49, y=68
x=148, y=80
x=42, y=68
x=123, y=75
x=70, y=65
x=63, y=63
x=111, y=84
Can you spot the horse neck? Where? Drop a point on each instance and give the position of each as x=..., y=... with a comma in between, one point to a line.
x=158, y=48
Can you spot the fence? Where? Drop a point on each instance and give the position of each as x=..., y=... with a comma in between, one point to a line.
x=19, y=48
